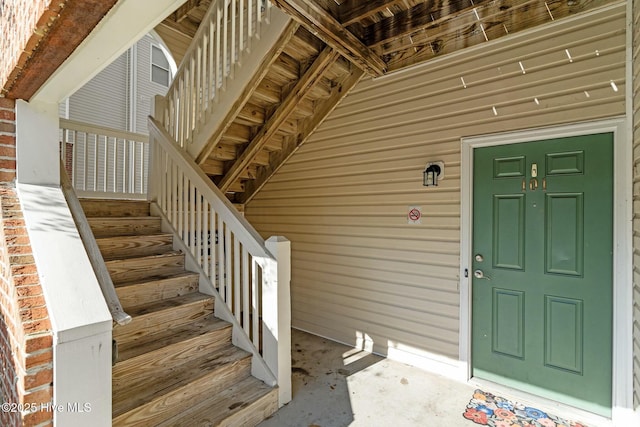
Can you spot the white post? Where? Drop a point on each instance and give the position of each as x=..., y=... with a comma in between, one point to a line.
x=276, y=315
x=153, y=181
x=37, y=143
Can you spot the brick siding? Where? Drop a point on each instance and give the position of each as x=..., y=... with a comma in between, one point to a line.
x=7, y=140
x=23, y=24
x=37, y=36
x=26, y=343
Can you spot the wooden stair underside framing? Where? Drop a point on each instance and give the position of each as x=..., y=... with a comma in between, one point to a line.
x=175, y=363
x=300, y=81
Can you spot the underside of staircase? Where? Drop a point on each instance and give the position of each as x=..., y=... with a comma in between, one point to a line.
x=299, y=82
x=175, y=363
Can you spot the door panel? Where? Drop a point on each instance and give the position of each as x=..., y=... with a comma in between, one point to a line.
x=563, y=333
x=508, y=231
x=542, y=311
x=564, y=232
x=508, y=322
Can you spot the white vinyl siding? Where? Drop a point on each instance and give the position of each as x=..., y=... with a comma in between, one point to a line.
x=107, y=101
x=103, y=100
x=147, y=89
x=360, y=271
x=636, y=205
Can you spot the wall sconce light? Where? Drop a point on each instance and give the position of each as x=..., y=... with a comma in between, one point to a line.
x=433, y=172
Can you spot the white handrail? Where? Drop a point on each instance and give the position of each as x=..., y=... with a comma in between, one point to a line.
x=246, y=276
x=104, y=162
x=222, y=40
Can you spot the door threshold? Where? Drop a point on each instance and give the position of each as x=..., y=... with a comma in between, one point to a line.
x=548, y=405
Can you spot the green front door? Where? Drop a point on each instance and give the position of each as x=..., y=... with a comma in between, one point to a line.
x=542, y=268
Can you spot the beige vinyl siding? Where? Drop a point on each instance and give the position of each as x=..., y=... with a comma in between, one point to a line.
x=360, y=271
x=636, y=205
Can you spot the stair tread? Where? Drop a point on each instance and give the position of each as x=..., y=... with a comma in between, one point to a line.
x=156, y=287
x=229, y=402
x=121, y=246
x=119, y=207
x=166, y=254
x=124, y=226
x=132, y=236
x=121, y=218
x=134, y=268
x=181, y=274
x=174, y=335
x=137, y=393
x=166, y=304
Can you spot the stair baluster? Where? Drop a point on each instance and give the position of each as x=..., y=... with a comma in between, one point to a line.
x=241, y=266
x=222, y=41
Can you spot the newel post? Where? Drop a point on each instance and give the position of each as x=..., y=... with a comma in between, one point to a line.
x=276, y=315
x=153, y=180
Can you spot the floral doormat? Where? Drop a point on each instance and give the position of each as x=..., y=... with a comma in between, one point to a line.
x=495, y=411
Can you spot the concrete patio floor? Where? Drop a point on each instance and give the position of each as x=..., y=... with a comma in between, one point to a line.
x=335, y=385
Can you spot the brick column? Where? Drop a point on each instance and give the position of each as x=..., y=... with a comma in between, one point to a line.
x=7, y=140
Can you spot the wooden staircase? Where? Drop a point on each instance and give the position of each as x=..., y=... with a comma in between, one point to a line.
x=175, y=364
x=299, y=82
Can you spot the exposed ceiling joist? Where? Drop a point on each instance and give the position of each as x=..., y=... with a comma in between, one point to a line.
x=310, y=78
x=353, y=11
x=310, y=125
x=242, y=99
x=321, y=23
x=419, y=17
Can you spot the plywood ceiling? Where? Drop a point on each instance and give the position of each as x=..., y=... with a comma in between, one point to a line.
x=381, y=36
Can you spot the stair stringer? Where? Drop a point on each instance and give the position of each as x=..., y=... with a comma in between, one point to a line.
x=259, y=368
x=242, y=76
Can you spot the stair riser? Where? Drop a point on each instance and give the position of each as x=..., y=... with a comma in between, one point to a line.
x=156, y=290
x=95, y=208
x=244, y=404
x=155, y=322
x=107, y=227
x=157, y=410
x=173, y=355
x=131, y=269
x=132, y=246
x=254, y=413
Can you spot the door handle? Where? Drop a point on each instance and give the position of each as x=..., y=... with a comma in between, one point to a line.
x=479, y=274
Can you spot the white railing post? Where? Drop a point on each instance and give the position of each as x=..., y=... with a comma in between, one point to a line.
x=238, y=267
x=276, y=314
x=153, y=182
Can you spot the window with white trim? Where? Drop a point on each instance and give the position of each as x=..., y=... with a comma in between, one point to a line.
x=160, y=72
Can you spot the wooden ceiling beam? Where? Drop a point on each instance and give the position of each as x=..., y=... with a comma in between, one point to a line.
x=183, y=11
x=248, y=91
x=495, y=21
x=353, y=11
x=276, y=160
x=185, y=28
x=321, y=23
x=419, y=17
x=312, y=76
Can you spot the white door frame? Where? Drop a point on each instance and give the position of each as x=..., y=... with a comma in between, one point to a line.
x=622, y=369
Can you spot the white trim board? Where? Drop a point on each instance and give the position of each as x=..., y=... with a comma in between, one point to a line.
x=622, y=373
